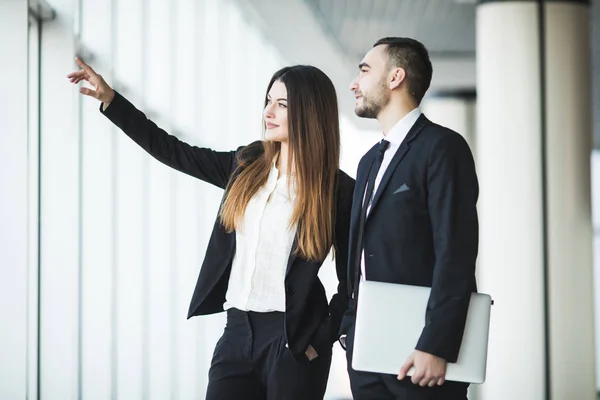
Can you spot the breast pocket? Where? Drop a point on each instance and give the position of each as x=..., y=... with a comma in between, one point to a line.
x=409, y=203
x=404, y=193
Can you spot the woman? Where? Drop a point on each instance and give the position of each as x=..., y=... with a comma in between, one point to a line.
x=285, y=204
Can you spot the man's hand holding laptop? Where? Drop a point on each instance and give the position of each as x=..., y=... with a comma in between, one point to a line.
x=429, y=370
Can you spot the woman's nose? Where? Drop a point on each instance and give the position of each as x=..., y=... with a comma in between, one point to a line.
x=269, y=111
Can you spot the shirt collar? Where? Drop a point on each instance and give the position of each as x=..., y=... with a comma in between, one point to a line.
x=399, y=131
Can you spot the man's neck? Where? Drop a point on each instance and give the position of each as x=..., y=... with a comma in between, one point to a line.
x=393, y=112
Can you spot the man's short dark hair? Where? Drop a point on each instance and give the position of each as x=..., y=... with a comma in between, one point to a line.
x=412, y=56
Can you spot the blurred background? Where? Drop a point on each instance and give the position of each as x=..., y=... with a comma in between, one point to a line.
x=100, y=245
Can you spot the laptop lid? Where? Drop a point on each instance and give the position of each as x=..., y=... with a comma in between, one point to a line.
x=390, y=318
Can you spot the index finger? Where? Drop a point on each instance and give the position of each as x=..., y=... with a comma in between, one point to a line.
x=405, y=368
x=85, y=67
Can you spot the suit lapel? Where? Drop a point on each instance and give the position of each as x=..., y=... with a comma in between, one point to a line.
x=400, y=153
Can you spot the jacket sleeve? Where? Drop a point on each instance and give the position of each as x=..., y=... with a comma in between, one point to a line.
x=208, y=165
x=452, y=197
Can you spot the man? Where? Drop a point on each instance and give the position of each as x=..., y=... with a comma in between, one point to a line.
x=413, y=220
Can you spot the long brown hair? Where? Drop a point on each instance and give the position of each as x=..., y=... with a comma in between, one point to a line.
x=314, y=153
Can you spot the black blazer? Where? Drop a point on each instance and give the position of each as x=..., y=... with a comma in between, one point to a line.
x=422, y=230
x=310, y=319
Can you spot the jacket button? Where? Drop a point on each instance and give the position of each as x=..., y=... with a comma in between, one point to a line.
x=291, y=290
x=370, y=255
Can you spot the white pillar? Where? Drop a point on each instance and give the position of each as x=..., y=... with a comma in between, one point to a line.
x=569, y=139
x=533, y=148
x=454, y=109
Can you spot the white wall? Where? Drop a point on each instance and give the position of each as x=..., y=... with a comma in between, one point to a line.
x=14, y=171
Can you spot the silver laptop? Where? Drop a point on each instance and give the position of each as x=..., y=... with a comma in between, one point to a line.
x=382, y=344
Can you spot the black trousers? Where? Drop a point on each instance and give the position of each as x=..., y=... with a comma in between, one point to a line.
x=251, y=362
x=372, y=386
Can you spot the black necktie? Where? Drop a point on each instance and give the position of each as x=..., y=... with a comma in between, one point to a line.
x=366, y=203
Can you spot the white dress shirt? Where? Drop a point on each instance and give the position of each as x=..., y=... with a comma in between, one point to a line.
x=395, y=136
x=264, y=241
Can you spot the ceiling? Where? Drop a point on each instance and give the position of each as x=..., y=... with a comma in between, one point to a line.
x=446, y=27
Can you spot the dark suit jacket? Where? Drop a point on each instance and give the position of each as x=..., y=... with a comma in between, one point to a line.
x=422, y=230
x=310, y=319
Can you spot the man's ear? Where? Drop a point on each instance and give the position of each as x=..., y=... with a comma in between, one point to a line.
x=398, y=75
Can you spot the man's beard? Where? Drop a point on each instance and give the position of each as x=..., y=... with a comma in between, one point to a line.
x=373, y=103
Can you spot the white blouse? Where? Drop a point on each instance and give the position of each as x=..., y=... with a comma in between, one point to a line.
x=263, y=245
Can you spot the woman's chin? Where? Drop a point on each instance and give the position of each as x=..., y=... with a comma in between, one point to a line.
x=269, y=137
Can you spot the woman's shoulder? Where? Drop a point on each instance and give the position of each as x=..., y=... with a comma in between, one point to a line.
x=344, y=179
x=345, y=184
